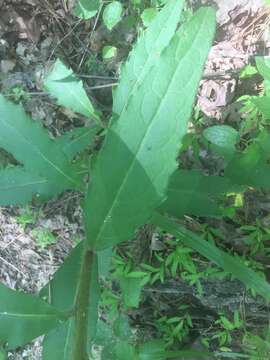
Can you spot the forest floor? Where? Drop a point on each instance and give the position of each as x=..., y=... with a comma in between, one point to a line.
x=34, y=241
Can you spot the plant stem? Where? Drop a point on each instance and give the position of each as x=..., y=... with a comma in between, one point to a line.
x=82, y=307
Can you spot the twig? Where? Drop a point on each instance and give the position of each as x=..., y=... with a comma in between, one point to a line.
x=12, y=266
x=92, y=32
x=101, y=86
x=97, y=77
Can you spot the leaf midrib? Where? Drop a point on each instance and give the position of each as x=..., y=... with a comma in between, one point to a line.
x=10, y=187
x=28, y=315
x=41, y=154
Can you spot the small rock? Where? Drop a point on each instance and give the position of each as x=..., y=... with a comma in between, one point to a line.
x=7, y=65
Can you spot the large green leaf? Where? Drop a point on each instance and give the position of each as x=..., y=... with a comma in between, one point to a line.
x=112, y=14
x=61, y=293
x=263, y=104
x=263, y=66
x=68, y=90
x=24, y=317
x=227, y=262
x=192, y=193
x=223, y=139
x=131, y=172
x=249, y=168
x=30, y=144
x=131, y=288
x=86, y=9
x=146, y=53
x=17, y=187
x=77, y=140
x=156, y=350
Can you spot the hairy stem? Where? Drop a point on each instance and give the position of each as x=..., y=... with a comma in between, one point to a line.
x=82, y=307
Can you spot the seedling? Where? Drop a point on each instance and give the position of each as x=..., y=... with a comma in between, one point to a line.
x=43, y=237
x=224, y=336
x=175, y=329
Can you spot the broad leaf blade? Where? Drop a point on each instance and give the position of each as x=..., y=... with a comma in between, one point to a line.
x=146, y=138
x=86, y=9
x=17, y=187
x=192, y=193
x=146, y=53
x=263, y=105
x=77, y=140
x=63, y=297
x=156, y=350
x=249, y=168
x=263, y=66
x=131, y=289
x=220, y=258
x=223, y=139
x=24, y=317
x=69, y=92
x=112, y=14
x=30, y=144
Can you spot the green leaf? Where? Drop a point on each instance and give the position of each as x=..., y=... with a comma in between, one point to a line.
x=192, y=193
x=121, y=327
x=145, y=140
x=109, y=52
x=61, y=293
x=24, y=317
x=148, y=16
x=124, y=351
x=248, y=71
x=223, y=137
x=112, y=14
x=30, y=144
x=69, y=92
x=131, y=289
x=263, y=66
x=104, y=336
x=76, y=140
x=249, y=168
x=156, y=350
x=227, y=262
x=146, y=53
x=17, y=187
x=263, y=141
x=104, y=261
x=152, y=350
x=263, y=104
x=86, y=9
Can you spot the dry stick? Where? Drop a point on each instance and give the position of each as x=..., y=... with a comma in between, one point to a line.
x=12, y=266
x=82, y=307
x=92, y=32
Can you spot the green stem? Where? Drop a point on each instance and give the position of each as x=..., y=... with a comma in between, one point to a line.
x=80, y=351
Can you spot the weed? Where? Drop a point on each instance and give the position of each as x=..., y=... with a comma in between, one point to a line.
x=134, y=179
x=43, y=237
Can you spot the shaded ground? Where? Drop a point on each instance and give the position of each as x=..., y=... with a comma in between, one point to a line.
x=32, y=34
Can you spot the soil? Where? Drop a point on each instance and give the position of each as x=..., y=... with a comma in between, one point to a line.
x=33, y=34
